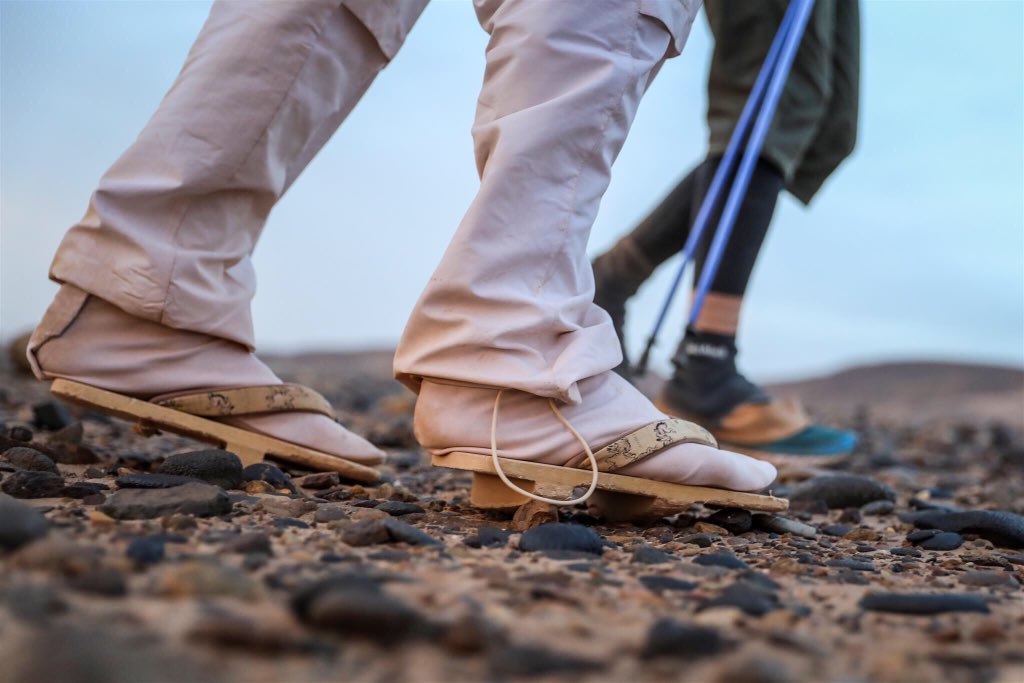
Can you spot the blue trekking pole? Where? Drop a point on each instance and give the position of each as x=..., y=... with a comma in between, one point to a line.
x=773, y=72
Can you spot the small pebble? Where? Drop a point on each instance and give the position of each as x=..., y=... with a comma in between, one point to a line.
x=720, y=559
x=213, y=466
x=558, y=536
x=670, y=638
x=947, y=540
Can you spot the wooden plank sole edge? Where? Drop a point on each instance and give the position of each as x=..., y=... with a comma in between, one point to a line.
x=249, y=446
x=620, y=483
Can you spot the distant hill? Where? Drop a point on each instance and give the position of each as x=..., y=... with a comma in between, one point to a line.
x=899, y=391
x=917, y=391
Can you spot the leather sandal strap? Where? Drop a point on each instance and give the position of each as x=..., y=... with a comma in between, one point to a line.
x=274, y=398
x=645, y=442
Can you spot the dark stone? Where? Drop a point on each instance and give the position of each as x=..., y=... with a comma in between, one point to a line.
x=878, y=508
x=153, y=481
x=81, y=490
x=28, y=484
x=1004, y=529
x=702, y=540
x=530, y=661
x=320, y=480
x=750, y=597
x=848, y=563
x=670, y=638
x=213, y=466
x=365, y=532
x=733, y=520
x=357, y=581
x=947, y=540
x=19, y=523
x=558, y=536
x=905, y=552
x=658, y=583
x=146, y=550
x=100, y=581
x=20, y=434
x=388, y=530
x=921, y=535
x=252, y=542
x=836, y=529
x=201, y=500
x=50, y=415
x=842, y=491
x=648, y=554
x=397, y=508
x=400, y=532
x=488, y=537
x=721, y=559
x=94, y=499
x=26, y=458
x=264, y=471
x=923, y=603
x=366, y=614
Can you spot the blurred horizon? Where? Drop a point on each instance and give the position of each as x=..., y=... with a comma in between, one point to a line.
x=913, y=251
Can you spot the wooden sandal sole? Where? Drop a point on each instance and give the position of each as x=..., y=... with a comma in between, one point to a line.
x=248, y=446
x=490, y=492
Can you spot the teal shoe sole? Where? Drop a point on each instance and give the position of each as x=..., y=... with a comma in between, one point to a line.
x=815, y=440
x=816, y=446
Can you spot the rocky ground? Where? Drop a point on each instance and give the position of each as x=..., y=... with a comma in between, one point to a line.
x=124, y=558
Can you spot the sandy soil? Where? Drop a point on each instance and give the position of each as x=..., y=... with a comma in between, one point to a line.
x=389, y=583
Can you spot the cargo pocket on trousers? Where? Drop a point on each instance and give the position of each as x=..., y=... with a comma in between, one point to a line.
x=389, y=21
x=676, y=15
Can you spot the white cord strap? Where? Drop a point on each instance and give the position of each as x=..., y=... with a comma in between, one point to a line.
x=497, y=461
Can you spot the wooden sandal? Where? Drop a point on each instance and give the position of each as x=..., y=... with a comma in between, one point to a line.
x=505, y=483
x=185, y=413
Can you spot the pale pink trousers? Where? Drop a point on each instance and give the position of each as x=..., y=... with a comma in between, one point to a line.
x=171, y=228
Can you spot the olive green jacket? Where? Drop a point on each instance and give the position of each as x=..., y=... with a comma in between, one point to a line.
x=815, y=125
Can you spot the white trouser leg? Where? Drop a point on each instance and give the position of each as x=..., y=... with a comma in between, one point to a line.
x=511, y=304
x=170, y=229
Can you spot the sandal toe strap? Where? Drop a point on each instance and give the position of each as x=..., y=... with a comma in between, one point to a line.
x=645, y=442
x=274, y=398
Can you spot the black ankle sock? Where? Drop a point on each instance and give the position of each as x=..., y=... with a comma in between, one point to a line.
x=706, y=381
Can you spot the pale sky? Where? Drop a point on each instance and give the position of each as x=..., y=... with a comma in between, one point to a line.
x=914, y=250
